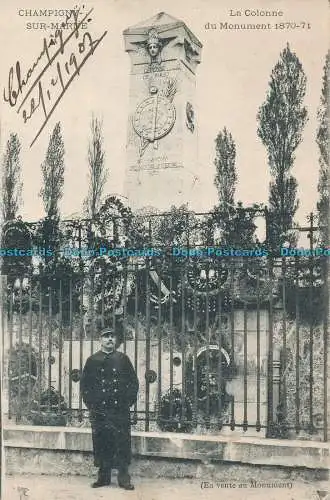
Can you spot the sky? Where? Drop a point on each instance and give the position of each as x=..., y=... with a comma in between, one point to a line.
x=232, y=81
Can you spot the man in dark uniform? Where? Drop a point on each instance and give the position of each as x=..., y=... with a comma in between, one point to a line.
x=109, y=387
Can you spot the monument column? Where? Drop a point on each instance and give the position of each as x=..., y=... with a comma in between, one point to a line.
x=162, y=145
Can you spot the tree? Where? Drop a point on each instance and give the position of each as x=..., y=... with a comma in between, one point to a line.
x=225, y=177
x=53, y=173
x=282, y=118
x=228, y=223
x=11, y=179
x=97, y=176
x=282, y=193
x=322, y=139
x=230, y=226
x=97, y=172
x=225, y=182
x=49, y=234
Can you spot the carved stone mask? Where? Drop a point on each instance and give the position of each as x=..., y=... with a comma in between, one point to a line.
x=153, y=49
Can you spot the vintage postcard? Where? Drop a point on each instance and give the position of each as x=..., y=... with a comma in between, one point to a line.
x=164, y=249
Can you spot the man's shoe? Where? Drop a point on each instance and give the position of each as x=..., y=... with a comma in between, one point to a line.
x=126, y=486
x=101, y=482
x=124, y=481
x=103, y=479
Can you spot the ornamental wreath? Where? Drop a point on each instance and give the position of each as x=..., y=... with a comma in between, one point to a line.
x=50, y=410
x=113, y=219
x=175, y=415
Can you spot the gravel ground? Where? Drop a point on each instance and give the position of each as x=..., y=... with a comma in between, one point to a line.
x=35, y=487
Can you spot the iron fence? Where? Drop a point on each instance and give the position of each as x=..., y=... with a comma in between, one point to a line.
x=218, y=341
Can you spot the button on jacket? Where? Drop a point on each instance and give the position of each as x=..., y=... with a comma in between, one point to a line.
x=109, y=387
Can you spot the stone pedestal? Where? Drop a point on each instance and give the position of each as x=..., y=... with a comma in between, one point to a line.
x=162, y=140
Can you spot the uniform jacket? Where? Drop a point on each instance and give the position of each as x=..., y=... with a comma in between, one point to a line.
x=109, y=387
x=109, y=381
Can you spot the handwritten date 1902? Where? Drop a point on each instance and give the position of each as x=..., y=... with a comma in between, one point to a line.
x=59, y=63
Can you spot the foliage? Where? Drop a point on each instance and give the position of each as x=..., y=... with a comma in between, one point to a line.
x=304, y=289
x=225, y=177
x=298, y=362
x=22, y=370
x=282, y=192
x=11, y=179
x=53, y=173
x=230, y=226
x=22, y=377
x=322, y=140
x=60, y=288
x=48, y=235
x=282, y=118
x=45, y=279
x=175, y=228
x=57, y=273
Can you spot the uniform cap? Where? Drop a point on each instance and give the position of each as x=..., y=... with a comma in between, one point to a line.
x=117, y=331
x=105, y=331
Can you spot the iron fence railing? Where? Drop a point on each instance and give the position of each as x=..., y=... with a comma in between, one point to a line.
x=219, y=339
x=235, y=342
